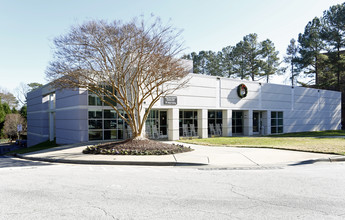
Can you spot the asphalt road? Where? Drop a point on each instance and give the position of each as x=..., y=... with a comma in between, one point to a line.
x=35, y=190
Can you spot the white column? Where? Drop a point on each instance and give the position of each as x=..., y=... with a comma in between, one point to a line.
x=227, y=123
x=51, y=126
x=202, y=123
x=248, y=123
x=268, y=122
x=264, y=123
x=173, y=124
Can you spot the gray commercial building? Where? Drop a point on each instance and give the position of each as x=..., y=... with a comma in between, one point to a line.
x=208, y=106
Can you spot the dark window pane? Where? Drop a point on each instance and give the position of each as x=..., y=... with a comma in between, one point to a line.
x=110, y=114
x=92, y=100
x=98, y=101
x=110, y=124
x=273, y=115
x=188, y=121
x=280, y=129
x=95, y=114
x=120, y=133
x=109, y=135
x=238, y=129
x=219, y=114
x=238, y=122
x=280, y=122
x=95, y=124
x=273, y=122
x=120, y=124
x=280, y=114
x=188, y=114
x=95, y=135
x=211, y=114
x=239, y=115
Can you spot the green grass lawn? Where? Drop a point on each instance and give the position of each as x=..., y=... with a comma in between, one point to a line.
x=303, y=141
x=312, y=134
x=37, y=147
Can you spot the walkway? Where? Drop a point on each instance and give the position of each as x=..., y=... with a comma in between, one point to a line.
x=202, y=155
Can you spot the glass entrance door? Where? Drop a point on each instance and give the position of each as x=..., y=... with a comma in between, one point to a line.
x=163, y=122
x=256, y=122
x=237, y=122
x=157, y=124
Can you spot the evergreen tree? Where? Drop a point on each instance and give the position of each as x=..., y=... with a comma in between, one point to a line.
x=2, y=118
x=227, y=61
x=310, y=47
x=6, y=108
x=240, y=61
x=248, y=59
x=270, y=64
x=333, y=34
x=206, y=62
x=292, y=60
x=23, y=111
x=250, y=47
x=2, y=113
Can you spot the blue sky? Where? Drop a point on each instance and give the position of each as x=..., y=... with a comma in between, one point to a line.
x=28, y=27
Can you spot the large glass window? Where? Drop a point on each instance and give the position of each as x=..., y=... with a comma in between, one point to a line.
x=94, y=100
x=237, y=122
x=277, y=124
x=156, y=124
x=188, y=123
x=215, y=122
x=107, y=125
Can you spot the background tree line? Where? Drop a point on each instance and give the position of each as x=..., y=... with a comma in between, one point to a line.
x=248, y=59
x=318, y=54
x=316, y=58
x=10, y=117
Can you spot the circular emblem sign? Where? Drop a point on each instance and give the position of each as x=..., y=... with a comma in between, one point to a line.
x=242, y=90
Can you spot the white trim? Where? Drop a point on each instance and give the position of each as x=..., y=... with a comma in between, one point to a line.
x=39, y=135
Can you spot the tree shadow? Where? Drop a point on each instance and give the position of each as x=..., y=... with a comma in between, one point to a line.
x=6, y=162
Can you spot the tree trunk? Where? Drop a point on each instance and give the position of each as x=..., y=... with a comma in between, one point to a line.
x=316, y=72
x=292, y=75
x=338, y=69
x=139, y=134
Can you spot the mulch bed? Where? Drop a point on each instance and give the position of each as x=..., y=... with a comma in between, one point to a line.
x=136, y=147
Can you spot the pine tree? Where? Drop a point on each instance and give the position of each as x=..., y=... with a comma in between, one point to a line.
x=333, y=34
x=292, y=60
x=310, y=48
x=270, y=63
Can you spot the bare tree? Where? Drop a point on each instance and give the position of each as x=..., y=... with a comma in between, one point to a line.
x=11, y=123
x=132, y=64
x=23, y=89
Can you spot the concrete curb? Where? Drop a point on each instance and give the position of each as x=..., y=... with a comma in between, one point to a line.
x=337, y=159
x=330, y=160
x=105, y=162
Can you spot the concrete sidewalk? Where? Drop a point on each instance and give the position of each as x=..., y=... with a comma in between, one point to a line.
x=202, y=155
